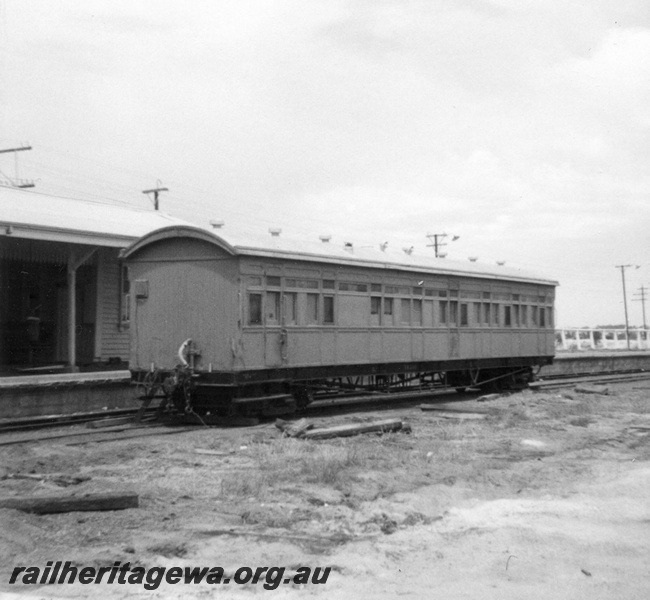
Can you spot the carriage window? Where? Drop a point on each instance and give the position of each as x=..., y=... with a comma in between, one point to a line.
x=273, y=308
x=516, y=315
x=312, y=309
x=477, y=313
x=464, y=317
x=453, y=313
x=507, y=316
x=254, y=309
x=524, y=316
x=533, y=315
x=328, y=284
x=310, y=284
x=495, y=315
x=375, y=287
x=290, y=308
x=443, y=312
x=486, y=314
x=353, y=287
x=375, y=305
x=416, y=312
x=388, y=311
x=273, y=281
x=405, y=311
x=328, y=309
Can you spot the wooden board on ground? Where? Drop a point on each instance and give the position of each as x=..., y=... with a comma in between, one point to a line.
x=451, y=408
x=384, y=426
x=459, y=415
x=295, y=428
x=58, y=504
x=592, y=389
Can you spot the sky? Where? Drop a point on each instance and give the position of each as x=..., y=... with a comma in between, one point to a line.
x=521, y=126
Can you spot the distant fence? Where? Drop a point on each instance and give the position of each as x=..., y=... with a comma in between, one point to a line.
x=602, y=339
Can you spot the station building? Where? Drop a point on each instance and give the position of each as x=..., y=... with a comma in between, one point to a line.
x=63, y=290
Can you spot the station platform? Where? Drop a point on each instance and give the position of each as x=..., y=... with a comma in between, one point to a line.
x=65, y=393
x=595, y=361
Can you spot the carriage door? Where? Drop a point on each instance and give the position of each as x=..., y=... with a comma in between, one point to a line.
x=273, y=330
x=454, y=334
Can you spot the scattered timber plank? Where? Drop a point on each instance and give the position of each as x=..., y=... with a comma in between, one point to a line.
x=460, y=415
x=357, y=428
x=58, y=504
x=295, y=429
x=210, y=452
x=592, y=389
x=59, y=479
x=450, y=408
x=488, y=397
x=336, y=539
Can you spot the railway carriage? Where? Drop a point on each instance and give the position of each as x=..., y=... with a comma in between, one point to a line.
x=265, y=327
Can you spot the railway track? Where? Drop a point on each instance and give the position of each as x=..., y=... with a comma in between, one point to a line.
x=27, y=423
x=559, y=381
x=333, y=405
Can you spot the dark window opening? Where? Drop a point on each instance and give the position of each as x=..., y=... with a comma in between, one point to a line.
x=328, y=309
x=254, y=309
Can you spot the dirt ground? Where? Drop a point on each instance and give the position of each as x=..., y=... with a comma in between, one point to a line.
x=536, y=495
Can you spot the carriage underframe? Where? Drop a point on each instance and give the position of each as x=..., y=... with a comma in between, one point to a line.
x=270, y=392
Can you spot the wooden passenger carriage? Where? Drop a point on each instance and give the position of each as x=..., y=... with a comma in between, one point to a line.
x=269, y=325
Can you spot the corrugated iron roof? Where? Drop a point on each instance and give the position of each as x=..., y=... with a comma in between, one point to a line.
x=243, y=243
x=33, y=215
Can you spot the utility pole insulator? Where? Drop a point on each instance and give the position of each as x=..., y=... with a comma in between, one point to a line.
x=155, y=192
x=437, y=244
x=16, y=181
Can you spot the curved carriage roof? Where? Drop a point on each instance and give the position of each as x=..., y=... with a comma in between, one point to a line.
x=296, y=250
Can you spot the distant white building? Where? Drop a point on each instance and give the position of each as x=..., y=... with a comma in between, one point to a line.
x=62, y=286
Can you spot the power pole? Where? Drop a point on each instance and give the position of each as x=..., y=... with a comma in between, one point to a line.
x=155, y=192
x=642, y=300
x=627, y=326
x=16, y=181
x=437, y=243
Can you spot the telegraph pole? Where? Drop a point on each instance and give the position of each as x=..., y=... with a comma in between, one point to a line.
x=627, y=326
x=437, y=243
x=642, y=299
x=155, y=192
